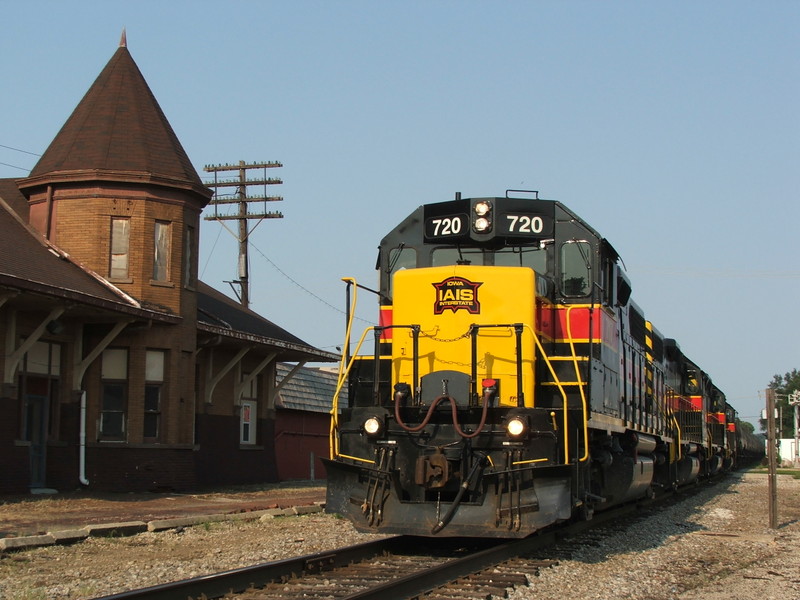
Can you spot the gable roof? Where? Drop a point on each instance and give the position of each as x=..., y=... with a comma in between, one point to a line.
x=221, y=315
x=118, y=132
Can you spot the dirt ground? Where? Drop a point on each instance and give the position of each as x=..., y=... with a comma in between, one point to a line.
x=715, y=546
x=36, y=514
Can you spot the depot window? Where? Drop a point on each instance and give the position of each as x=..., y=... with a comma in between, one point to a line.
x=249, y=410
x=155, y=361
x=120, y=246
x=114, y=401
x=161, y=251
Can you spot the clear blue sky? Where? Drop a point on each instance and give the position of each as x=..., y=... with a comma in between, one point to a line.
x=671, y=127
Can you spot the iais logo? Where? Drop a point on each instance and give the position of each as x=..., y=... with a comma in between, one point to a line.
x=457, y=293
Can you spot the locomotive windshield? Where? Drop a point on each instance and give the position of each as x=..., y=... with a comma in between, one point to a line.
x=404, y=257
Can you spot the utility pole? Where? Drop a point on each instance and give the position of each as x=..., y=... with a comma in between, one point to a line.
x=771, y=459
x=794, y=400
x=241, y=199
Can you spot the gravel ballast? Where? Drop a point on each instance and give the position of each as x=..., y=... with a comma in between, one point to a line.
x=714, y=545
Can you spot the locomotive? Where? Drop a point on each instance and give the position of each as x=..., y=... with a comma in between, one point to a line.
x=512, y=382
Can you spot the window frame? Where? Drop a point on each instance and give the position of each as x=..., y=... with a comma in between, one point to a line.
x=118, y=239
x=568, y=268
x=248, y=428
x=113, y=377
x=155, y=376
x=162, y=251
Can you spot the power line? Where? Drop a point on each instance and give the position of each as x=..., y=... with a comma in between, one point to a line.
x=14, y=166
x=306, y=290
x=18, y=150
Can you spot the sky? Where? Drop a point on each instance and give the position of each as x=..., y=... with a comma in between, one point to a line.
x=671, y=127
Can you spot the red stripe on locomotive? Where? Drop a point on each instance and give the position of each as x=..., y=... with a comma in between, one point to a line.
x=385, y=320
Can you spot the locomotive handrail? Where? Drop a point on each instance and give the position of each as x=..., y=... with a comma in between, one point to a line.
x=344, y=368
x=344, y=371
x=415, y=330
x=585, y=456
x=560, y=389
x=473, y=333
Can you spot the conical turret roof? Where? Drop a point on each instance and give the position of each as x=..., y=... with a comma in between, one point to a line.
x=118, y=132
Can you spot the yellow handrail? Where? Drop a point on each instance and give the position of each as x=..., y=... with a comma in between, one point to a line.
x=584, y=407
x=560, y=389
x=334, y=440
x=344, y=369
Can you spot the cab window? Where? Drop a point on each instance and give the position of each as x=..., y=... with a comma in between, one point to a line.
x=400, y=258
x=575, y=268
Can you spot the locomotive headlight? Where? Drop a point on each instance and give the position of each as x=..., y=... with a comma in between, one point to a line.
x=482, y=219
x=482, y=224
x=482, y=208
x=373, y=427
x=516, y=427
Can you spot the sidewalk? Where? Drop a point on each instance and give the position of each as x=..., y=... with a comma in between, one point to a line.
x=33, y=515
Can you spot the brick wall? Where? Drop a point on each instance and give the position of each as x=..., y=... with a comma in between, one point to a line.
x=80, y=224
x=222, y=460
x=124, y=468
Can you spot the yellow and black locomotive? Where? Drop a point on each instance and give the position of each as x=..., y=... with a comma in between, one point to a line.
x=512, y=382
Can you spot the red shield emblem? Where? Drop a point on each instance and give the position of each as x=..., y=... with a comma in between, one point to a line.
x=457, y=293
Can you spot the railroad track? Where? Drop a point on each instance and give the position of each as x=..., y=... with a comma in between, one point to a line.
x=394, y=567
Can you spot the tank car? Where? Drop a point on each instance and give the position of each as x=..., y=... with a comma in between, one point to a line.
x=512, y=383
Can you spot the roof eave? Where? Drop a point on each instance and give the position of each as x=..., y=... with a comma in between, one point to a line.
x=305, y=352
x=9, y=281
x=108, y=175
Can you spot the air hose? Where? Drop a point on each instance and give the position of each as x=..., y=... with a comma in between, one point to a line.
x=467, y=483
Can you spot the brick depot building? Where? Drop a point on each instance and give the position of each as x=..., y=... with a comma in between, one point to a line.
x=121, y=370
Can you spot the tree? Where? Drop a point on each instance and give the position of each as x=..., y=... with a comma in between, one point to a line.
x=745, y=426
x=783, y=385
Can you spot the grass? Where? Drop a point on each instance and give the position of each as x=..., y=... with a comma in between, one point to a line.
x=795, y=473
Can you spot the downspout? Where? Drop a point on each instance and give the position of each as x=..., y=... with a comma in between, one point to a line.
x=77, y=378
x=82, y=443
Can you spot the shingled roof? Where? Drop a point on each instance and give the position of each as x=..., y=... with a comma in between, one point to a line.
x=310, y=389
x=118, y=132
x=219, y=314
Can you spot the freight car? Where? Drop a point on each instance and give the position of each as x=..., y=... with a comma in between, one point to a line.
x=512, y=382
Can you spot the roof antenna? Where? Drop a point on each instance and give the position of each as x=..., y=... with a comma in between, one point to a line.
x=123, y=40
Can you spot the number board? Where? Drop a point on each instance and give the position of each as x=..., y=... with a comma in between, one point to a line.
x=524, y=224
x=447, y=221
x=446, y=227
x=520, y=218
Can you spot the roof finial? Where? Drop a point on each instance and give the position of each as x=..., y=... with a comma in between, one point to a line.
x=123, y=40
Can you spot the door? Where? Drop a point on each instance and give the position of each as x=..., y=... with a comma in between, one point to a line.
x=36, y=412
